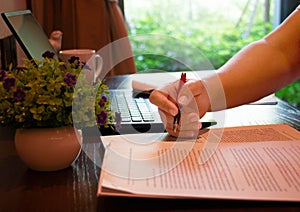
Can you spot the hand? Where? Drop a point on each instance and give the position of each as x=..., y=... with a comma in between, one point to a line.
x=193, y=102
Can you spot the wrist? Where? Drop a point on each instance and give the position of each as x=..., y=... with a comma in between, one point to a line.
x=215, y=93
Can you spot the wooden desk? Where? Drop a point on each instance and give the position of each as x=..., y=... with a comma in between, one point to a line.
x=74, y=189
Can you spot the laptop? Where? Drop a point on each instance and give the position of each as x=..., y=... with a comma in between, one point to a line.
x=28, y=32
x=138, y=114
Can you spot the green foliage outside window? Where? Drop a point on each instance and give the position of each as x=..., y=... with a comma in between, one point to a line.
x=291, y=94
x=215, y=37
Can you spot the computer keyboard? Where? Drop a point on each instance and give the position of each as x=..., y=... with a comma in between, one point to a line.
x=137, y=114
x=131, y=109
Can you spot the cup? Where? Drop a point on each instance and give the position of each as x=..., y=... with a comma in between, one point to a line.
x=93, y=61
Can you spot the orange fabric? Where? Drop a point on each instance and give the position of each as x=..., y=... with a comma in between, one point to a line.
x=118, y=30
x=88, y=24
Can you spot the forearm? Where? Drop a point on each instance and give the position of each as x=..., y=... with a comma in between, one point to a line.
x=262, y=67
x=258, y=70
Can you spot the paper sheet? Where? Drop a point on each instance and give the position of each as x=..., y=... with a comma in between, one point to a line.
x=263, y=166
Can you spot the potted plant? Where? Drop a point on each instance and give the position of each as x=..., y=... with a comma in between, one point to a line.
x=40, y=97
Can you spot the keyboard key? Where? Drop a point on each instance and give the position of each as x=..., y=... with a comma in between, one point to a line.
x=136, y=119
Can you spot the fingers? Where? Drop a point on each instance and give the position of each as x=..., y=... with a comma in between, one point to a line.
x=188, y=127
x=193, y=102
x=164, y=103
x=184, y=132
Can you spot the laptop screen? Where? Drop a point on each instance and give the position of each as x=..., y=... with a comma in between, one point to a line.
x=28, y=33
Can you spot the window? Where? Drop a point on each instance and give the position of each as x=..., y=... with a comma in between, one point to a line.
x=217, y=29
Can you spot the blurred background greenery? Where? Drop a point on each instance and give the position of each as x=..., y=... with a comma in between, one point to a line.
x=216, y=30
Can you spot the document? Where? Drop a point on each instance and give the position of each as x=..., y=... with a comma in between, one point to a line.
x=251, y=163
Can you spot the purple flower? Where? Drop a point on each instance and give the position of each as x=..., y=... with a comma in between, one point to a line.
x=48, y=54
x=102, y=101
x=101, y=118
x=73, y=59
x=70, y=79
x=9, y=83
x=19, y=95
x=2, y=75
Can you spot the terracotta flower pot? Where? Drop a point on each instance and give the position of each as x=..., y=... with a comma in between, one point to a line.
x=48, y=149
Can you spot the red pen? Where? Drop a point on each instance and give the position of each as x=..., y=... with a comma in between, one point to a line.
x=177, y=116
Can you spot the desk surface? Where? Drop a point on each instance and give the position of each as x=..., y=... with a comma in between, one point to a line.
x=74, y=189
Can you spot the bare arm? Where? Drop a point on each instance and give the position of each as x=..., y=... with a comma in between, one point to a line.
x=259, y=69
x=265, y=66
